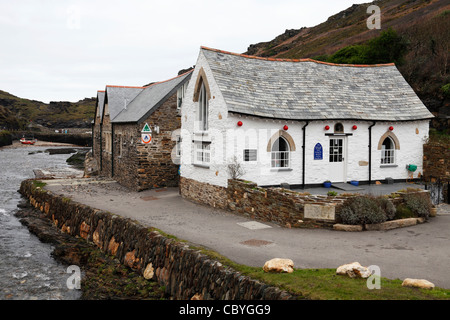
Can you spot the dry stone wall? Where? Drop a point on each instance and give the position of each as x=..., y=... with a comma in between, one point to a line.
x=284, y=207
x=436, y=162
x=184, y=272
x=204, y=193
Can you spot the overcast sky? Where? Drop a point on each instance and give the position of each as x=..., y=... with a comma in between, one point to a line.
x=53, y=50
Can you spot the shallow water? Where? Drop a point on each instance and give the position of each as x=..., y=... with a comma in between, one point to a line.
x=27, y=270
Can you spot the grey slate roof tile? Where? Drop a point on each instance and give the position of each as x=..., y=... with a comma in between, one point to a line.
x=118, y=97
x=149, y=99
x=309, y=90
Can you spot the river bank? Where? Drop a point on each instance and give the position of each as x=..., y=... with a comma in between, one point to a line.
x=103, y=276
x=27, y=269
x=39, y=143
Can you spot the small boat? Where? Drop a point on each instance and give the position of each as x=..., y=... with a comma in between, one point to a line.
x=28, y=140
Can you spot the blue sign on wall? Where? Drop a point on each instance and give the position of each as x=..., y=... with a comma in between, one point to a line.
x=318, y=152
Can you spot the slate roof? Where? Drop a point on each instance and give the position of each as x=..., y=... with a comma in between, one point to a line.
x=150, y=99
x=118, y=97
x=306, y=89
x=100, y=103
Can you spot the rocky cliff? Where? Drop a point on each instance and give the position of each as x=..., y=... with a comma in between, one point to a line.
x=423, y=25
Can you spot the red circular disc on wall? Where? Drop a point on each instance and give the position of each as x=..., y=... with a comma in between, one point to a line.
x=285, y=127
x=239, y=123
x=391, y=128
x=327, y=127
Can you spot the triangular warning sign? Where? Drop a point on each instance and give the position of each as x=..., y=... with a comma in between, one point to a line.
x=146, y=128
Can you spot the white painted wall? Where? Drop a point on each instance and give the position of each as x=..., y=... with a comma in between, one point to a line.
x=216, y=174
x=228, y=139
x=411, y=150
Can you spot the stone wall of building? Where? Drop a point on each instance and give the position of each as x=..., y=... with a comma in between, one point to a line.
x=436, y=162
x=96, y=143
x=184, y=272
x=282, y=206
x=126, y=139
x=204, y=193
x=142, y=166
x=106, y=155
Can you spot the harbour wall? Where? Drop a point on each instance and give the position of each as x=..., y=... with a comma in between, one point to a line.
x=183, y=272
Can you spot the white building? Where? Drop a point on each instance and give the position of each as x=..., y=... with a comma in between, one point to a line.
x=299, y=122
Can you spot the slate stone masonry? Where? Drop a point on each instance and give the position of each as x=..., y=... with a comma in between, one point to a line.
x=140, y=166
x=184, y=272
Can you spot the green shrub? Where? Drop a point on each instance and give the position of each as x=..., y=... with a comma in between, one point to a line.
x=332, y=193
x=387, y=206
x=418, y=204
x=403, y=212
x=361, y=210
x=446, y=90
x=387, y=47
x=347, y=215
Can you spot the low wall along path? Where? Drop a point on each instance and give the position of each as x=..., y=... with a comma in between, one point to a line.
x=184, y=272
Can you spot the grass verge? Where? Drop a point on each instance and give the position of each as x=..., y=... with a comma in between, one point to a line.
x=325, y=284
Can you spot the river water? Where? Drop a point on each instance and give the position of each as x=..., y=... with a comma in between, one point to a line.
x=27, y=270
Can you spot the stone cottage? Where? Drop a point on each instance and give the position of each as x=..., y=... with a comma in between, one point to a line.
x=144, y=151
x=116, y=99
x=299, y=122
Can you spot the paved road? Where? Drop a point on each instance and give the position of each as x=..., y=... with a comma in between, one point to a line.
x=421, y=251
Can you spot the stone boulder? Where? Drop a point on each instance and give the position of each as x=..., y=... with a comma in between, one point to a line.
x=278, y=265
x=354, y=270
x=149, y=272
x=417, y=283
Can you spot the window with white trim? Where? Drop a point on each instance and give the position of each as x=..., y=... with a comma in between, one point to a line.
x=178, y=147
x=203, y=153
x=388, y=151
x=250, y=155
x=203, y=108
x=280, y=154
x=180, y=95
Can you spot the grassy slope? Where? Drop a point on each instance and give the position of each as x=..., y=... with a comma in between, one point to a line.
x=16, y=112
x=324, y=284
x=423, y=23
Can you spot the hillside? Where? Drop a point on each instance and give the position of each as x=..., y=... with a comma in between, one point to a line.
x=422, y=24
x=17, y=112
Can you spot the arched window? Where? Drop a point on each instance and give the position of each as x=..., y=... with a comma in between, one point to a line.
x=280, y=153
x=388, y=151
x=203, y=108
x=338, y=128
x=202, y=95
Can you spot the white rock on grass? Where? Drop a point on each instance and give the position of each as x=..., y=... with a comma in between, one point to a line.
x=417, y=283
x=279, y=265
x=354, y=270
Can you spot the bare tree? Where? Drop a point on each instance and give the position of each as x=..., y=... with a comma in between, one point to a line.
x=235, y=169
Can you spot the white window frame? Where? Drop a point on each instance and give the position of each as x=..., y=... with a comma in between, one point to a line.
x=180, y=95
x=203, y=109
x=202, y=153
x=280, y=159
x=178, y=147
x=252, y=155
x=388, y=155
